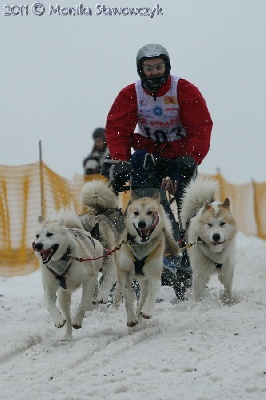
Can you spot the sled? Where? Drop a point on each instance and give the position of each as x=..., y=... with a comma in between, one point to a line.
x=176, y=268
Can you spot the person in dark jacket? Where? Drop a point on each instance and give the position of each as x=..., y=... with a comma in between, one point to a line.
x=93, y=163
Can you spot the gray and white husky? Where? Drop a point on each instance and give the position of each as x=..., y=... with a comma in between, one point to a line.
x=211, y=224
x=57, y=243
x=103, y=218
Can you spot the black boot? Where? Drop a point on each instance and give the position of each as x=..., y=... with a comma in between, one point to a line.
x=177, y=273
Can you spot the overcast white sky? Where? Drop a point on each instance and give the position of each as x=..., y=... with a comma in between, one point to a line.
x=60, y=74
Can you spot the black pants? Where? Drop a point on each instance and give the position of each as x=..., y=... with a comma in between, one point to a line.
x=149, y=170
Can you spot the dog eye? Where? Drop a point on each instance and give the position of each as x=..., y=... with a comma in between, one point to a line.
x=222, y=223
x=149, y=212
x=210, y=225
x=37, y=236
x=136, y=213
x=49, y=234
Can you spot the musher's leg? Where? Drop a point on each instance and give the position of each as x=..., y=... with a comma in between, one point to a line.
x=177, y=270
x=144, y=174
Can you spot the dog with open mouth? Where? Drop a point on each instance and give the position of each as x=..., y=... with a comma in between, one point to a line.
x=147, y=235
x=60, y=244
x=211, y=229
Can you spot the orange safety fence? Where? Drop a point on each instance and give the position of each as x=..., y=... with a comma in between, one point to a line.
x=31, y=190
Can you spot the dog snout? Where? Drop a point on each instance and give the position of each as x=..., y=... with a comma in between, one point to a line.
x=38, y=246
x=142, y=224
x=216, y=237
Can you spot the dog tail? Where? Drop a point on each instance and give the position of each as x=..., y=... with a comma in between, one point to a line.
x=200, y=191
x=97, y=194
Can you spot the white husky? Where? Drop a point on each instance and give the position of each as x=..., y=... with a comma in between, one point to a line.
x=210, y=224
x=146, y=234
x=57, y=243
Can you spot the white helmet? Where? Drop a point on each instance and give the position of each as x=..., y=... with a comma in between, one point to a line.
x=152, y=51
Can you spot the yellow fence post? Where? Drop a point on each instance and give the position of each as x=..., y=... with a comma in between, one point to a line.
x=257, y=208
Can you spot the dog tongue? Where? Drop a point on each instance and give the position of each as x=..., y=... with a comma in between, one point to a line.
x=146, y=231
x=46, y=253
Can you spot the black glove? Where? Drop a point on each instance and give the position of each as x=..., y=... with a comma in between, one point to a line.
x=120, y=174
x=187, y=166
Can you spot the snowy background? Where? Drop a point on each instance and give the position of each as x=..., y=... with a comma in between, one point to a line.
x=59, y=76
x=196, y=351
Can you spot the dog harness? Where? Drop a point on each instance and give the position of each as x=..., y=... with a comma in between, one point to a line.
x=139, y=263
x=79, y=234
x=62, y=277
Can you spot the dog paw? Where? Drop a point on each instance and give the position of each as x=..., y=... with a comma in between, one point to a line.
x=227, y=300
x=60, y=324
x=145, y=316
x=131, y=324
x=77, y=322
x=102, y=301
x=76, y=326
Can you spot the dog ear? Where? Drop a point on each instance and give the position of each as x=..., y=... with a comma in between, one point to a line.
x=226, y=203
x=41, y=219
x=157, y=196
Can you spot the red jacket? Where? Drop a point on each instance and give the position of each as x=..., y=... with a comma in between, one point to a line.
x=194, y=115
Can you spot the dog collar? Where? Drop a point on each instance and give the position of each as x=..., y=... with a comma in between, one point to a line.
x=217, y=265
x=130, y=239
x=200, y=241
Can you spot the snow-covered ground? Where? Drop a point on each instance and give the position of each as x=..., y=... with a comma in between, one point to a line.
x=186, y=351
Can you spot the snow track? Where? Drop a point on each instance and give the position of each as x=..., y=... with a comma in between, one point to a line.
x=200, y=351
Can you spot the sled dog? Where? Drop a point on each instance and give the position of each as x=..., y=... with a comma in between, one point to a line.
x=105, y=221
x=211, y=224
x=147, y=231
x=56, y=242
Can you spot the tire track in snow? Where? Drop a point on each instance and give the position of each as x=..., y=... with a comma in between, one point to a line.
x=29, y=342
x=107, y=344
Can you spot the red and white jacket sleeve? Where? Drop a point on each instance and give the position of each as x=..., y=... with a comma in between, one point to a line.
x=196, y=120
x=121, y=123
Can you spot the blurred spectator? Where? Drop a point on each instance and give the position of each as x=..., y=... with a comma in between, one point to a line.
x=93, y=163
